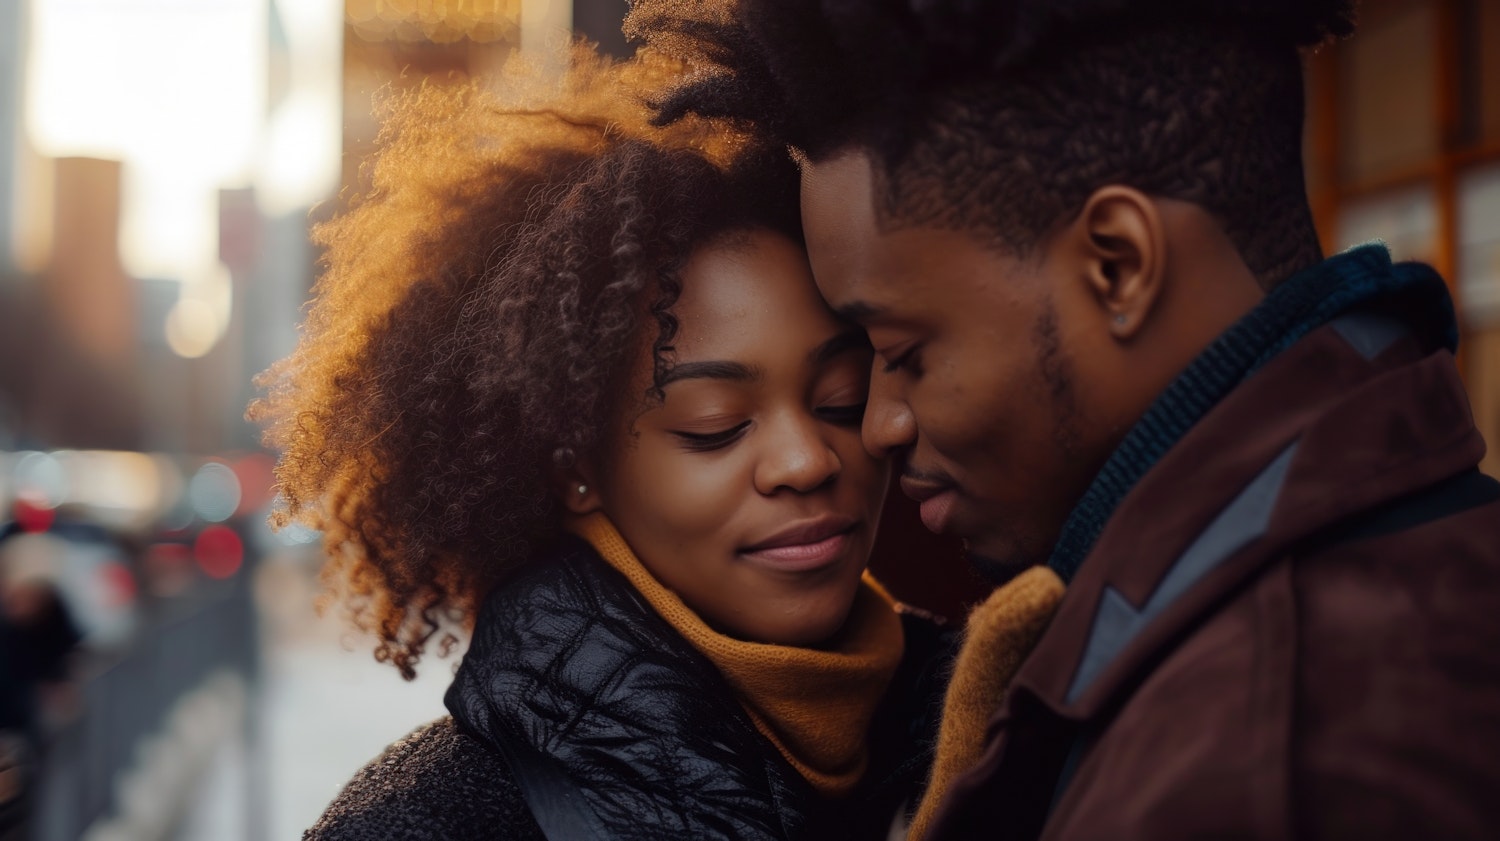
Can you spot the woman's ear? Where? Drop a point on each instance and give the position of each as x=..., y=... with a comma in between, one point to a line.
x=1125, y=259
x=573, y=483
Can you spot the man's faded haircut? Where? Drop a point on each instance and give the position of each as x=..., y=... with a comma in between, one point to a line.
x=1001, y=117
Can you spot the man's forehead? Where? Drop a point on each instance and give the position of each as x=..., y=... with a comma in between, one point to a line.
x=837, y=178
x=838, y=195
x=838, y=220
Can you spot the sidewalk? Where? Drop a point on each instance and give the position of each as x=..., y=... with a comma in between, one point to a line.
x=328, y=708
x=325, y=709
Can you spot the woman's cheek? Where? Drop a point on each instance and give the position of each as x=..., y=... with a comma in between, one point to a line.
x=706, y=489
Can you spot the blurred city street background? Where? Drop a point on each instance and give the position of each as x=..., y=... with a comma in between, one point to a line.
x=163, y=671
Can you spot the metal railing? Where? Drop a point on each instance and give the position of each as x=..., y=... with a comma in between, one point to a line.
x=127, y=701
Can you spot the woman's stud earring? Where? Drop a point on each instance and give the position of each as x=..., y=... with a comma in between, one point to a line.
x=1120, y=319
x=583, y=489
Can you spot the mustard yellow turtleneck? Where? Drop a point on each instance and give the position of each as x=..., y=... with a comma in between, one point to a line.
x=815, y=705
x=998, y=636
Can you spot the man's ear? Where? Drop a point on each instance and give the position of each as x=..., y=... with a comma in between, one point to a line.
x=573, y=483
x=1124, y=256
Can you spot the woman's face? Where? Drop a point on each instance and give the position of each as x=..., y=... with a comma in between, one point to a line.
x=747, y=491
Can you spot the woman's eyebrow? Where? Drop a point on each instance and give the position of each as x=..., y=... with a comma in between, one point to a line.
x=852, y=338
x=715, y=370
x=741, y=373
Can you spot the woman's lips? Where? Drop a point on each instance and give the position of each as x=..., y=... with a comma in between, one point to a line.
x=804, y=546
x=803, y=557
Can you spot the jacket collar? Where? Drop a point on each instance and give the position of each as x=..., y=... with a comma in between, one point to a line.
x=1359, y=278
x=1359, y=413
x=611, y=724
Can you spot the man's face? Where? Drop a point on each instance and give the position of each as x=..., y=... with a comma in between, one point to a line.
x=974, y=387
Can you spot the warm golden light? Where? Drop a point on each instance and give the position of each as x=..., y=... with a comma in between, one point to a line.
x=192, y=329
x=439, y=21
x=176, y=92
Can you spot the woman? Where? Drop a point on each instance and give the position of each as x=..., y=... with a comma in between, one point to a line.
x=574, y=368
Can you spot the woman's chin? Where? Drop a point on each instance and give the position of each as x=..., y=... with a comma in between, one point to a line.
x=803, y=626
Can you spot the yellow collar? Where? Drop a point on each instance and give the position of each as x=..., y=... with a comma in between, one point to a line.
x=815, y=705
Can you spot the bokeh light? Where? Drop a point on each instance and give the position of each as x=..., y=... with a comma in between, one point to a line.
x=256, y=475
x=214, y=492
x=218, y=551
x=191, y=328
x=31, y=517
x=40, y=480
x=124, y=489
x=297, y=534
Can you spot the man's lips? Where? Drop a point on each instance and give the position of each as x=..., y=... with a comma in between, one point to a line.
x=936, y=501
x=804, y=545
x=938, y=510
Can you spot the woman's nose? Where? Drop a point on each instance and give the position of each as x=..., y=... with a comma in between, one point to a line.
x=798, y=456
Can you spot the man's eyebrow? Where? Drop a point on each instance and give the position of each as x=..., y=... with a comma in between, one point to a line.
x=858, y=311
x=732, y=371
x=847, y=340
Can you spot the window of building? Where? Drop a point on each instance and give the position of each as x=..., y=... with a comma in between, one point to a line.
x=1404, y=145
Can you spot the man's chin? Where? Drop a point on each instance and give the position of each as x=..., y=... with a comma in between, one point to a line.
x=998, y=567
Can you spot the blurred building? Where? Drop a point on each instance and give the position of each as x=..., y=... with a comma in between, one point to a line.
x=11, y=28
x=12, y=25
x=1404, y=145
x=124, y=333
x=153, y=216
x=84, y=370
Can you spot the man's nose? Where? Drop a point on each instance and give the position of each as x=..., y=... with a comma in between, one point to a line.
x=889, y=425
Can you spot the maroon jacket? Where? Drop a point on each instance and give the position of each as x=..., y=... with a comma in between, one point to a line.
x=1290, y=628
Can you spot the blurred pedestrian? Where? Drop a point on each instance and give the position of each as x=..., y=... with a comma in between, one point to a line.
x=37, y=638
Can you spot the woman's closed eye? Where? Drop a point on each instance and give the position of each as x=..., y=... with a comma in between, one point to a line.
x=708, y=441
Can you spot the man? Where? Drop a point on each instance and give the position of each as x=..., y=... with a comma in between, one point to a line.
x=1110, y=353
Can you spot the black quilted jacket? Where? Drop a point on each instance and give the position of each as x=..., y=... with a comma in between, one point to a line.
x=579, y=711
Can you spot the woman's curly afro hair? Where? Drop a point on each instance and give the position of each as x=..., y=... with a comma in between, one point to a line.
x=479, y=303
x=1001, y=117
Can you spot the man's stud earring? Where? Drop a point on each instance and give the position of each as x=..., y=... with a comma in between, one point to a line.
x=583, y=489
x=1120, y=319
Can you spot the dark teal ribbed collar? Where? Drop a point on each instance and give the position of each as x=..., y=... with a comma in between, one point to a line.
x=1300, y=304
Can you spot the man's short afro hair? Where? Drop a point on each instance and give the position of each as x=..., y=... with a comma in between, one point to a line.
x=1002, y=117
x=803, y=70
